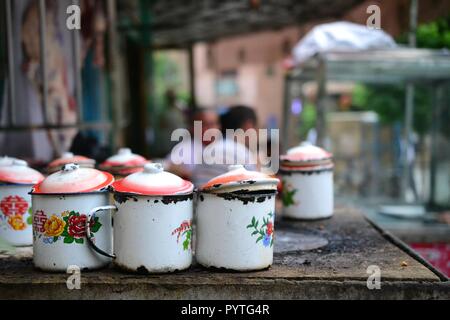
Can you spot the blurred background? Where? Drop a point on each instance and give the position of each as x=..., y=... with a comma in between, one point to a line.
x=374, y=92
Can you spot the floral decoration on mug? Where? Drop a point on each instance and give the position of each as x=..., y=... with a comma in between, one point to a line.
x=287, y=195
x=185, y=230
x=264, y=231
x=13, y=210
x=70, y=227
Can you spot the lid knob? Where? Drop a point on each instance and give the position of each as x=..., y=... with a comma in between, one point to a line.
x=20, y=163
x=153, y=168
x=235, y=167
x=124, y=151
x=67, y=155
x=70, y=167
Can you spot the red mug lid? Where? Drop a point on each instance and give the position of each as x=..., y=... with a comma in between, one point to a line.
x=74, y=179
x=18, y=172
x=306, y=154
x=238, y=178
x=153, y=181
x=124, y=158
x=6, y=161
x=69, y=157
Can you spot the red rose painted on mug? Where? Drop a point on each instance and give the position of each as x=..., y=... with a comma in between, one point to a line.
x=74, y=225
x=77, y=226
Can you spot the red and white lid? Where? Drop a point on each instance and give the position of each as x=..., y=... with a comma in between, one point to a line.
x=6, y=161
x=306, y=155
x=69, y=157
x=153, y=181
x=18, y=172
x=74, y=179
x=124, y=161
x=240, y=179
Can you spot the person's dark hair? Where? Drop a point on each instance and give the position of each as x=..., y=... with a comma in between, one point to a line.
x=198, y=111
x=236, y=116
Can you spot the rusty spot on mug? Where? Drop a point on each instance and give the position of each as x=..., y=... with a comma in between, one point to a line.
x=247, y=197
x=124, y=197
x=178, y=198
x=231, y=270
x=306, y=173
x=142, y=270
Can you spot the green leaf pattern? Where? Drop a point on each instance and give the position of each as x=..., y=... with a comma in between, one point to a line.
x=265, y=232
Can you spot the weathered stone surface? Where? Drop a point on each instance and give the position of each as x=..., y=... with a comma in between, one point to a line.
x=342, y=249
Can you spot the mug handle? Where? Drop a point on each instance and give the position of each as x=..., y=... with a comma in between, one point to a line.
x=89, y=234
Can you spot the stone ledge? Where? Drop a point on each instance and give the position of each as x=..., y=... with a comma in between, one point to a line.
x=331, y=264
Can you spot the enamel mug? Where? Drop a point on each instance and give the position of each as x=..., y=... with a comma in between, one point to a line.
x=123, y=163
x=61, y=204
x=16, y=181
x=307, y=179
x=67, y=158
x=152, y=222
x=235, y=221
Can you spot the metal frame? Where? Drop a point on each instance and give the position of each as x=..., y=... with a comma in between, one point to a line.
x=104, y=124
x=406, y=66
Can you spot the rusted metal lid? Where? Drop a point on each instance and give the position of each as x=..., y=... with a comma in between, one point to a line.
x=153, y=181
x=18, y=172
x=240, y=179
x=74, y=179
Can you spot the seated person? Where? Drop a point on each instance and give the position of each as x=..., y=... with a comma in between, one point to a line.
x=205, y=158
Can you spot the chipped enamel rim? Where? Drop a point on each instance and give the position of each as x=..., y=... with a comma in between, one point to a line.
x=307, y=168
x=240, y=179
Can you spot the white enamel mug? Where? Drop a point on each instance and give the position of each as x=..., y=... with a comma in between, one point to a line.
x=15, y=215
x=60, y=234
x=152, y=222
x=16, y=181
x=308, y=195
x=307, y=175
x=235, y=232
x=235, y=216
x=61, y=207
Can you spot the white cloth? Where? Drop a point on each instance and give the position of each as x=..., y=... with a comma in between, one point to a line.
x=340, y=36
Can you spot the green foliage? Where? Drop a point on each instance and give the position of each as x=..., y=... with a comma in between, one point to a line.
x=287, y=196
x=388, y=102
x=187, y=241
x=433, y=35
x=166, y=75
x=308, y=119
